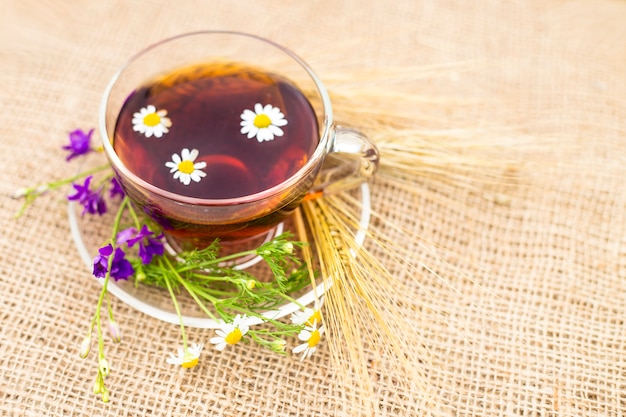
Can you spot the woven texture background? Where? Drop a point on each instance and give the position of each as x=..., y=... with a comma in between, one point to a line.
x=528, y=301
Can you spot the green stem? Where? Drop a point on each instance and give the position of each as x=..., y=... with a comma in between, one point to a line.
x=180, y=316
x=133, y=214
x=104, y=291
x=31, y=194
x=192, y=293
x=56, y=184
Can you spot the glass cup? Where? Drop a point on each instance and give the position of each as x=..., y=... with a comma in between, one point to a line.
x=343, y=158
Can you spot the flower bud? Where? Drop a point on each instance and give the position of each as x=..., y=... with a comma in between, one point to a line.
x=105, y=395
x=287, y=247
x=85, y=347
x=103, y=366
x=250, y=284
x=98, y=386
x=140, y=275
x=278, y=345
x=114, y=331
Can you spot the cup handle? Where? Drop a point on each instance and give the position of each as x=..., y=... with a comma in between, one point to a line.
x=352, y=160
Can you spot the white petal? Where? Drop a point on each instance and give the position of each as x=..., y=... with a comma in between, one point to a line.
x=275, y=130
x=176, y=158
x=304, y=335
x=268, y=108
x=174, y=360
x=166, y=122
x=194, y=176
x=150, y=109
x=172, y=166
x=199, y=165
x=247, y=115
x=253, y=132
x=158, y=132
x=300, y=348
x=139, y=128
x=308, y=353
x=185, y=179
x=177, y=174
x=184, y=154
x=216, y=340
x=279, y=122
x=258, y=108
x=193, y=155
x=264, y=134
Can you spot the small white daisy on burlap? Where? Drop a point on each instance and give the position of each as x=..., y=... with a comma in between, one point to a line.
x=311, y=336
x=230, y=333
x=187, y=358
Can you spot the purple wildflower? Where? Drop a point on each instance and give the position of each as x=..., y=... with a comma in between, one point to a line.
x=82, y=191
x=154, y=246
x=95, y=204
x=80, y=143
x=116, y=189
x=139, y=236
x=101, y=262
x=121, y=268
x=92, y=201
x=125, y=235
x=148, y=245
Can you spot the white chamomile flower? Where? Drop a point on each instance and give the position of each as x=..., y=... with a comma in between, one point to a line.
x=184, y=168
x=264, y=122
x=308, y=316
x=230, y=333
x=186, y=358
x=311, y=336
x=149, y=121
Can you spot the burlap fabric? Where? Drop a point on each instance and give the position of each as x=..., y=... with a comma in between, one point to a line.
x=529, y=291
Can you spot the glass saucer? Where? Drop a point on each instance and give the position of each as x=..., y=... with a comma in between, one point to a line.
x=157, y=303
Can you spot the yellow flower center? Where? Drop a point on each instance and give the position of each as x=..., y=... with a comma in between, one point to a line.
x=189, y=360
x=151, y=119
x=186, y=167
x=262, y=120
x=314, y=339
x=233, y=337
x=315, y=317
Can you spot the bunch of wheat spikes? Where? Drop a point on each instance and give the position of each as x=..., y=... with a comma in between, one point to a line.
x=365, y=306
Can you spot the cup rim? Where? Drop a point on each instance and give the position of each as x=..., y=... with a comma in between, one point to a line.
x=321, y=150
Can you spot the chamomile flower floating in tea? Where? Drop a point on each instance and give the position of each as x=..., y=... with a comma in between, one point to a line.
x=149, y=121
x=185, y=168
x=264, y=122
x=187, y=357
x=230, y=333
x=311, y=336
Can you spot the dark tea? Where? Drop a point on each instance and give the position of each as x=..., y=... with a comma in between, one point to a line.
x=216, y=131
